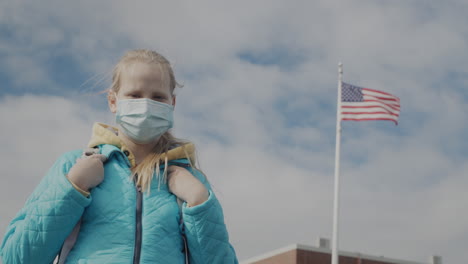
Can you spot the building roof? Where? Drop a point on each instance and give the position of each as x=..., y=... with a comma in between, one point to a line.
x=326, y=251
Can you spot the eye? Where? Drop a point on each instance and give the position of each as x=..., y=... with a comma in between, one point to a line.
x=159, y=98
x=134, y=95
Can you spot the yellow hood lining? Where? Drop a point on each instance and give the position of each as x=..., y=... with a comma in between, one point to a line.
x=105, y=134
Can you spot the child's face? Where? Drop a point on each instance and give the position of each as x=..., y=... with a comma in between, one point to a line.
x=143, y=80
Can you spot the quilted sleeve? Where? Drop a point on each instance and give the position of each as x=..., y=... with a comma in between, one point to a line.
x=38, y=231
x=205, y=230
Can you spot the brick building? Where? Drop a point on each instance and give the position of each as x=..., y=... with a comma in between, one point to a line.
x=301, y=254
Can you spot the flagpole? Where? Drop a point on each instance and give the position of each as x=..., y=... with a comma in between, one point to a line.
x=335, y=257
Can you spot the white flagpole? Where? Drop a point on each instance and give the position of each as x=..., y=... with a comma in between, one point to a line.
x=335, y=257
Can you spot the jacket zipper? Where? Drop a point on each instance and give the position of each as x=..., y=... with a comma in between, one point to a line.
x=139, y=211
x=138, y=227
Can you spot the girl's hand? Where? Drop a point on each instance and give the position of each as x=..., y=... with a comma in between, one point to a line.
x=88, y=171
x=186, y=187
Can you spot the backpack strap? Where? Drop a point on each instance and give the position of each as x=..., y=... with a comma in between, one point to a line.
x=71, y=239
x=179, y=203
x=69, y=243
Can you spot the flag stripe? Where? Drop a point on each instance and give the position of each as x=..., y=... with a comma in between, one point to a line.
x=371, y=107
x=369, y=116
x=378, y=94
x=376, y=91
x=380, y=98
x=362, y=104
x=369, y=113
x=377, y=102
x=369, y=104
x=369, y=119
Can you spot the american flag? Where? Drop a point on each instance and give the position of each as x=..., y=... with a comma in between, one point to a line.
x=361, y=104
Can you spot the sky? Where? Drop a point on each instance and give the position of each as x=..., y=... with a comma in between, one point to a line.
x=259, y=102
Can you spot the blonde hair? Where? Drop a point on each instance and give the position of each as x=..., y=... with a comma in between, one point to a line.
x=150, y=165
x=147, y=56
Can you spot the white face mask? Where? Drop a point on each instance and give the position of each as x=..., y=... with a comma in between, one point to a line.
x=144, y=120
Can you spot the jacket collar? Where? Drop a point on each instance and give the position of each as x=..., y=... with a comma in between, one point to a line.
x=103, y=134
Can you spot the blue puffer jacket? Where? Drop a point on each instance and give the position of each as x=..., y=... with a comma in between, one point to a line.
x=110, y=217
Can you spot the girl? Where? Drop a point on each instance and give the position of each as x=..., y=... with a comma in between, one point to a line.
x=124, y=192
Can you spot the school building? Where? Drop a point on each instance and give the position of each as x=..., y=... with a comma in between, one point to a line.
x=321, y=254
